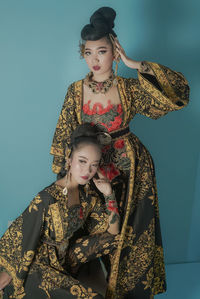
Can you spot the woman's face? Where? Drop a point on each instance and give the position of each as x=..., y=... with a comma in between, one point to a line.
x=84, y=163
x=99, y=56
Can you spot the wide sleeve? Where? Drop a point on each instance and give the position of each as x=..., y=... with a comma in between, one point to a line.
x=156, y=95
x=98, y=218
x=20, y=241
x=66, y=124
x=98, y=241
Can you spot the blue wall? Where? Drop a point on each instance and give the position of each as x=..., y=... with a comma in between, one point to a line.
x=39, y=58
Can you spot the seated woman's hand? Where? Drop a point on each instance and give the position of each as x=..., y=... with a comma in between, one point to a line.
x=103, y=184
x=5, y=279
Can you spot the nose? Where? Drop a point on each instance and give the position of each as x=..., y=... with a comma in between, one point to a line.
x=89, y=169
x=95, y=58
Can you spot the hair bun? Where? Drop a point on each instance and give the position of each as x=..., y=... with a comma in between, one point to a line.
x=83, y=131
x=101, y=24
x=105, y=15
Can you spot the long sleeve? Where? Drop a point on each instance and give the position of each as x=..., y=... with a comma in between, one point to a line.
x=98, y=242
x=67, y=122
x=98, y=220
x=19, y=243
x=155, y=96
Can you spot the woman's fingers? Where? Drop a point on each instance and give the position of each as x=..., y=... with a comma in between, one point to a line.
x=100, y=175
x=5, y=279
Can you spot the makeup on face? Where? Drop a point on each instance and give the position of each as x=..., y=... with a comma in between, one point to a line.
x=99, y=58
x=84, y=163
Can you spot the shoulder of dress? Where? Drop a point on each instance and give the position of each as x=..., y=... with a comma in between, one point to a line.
x=75, y=83
x=127, y=80
x=48, y=193
x=75, y=86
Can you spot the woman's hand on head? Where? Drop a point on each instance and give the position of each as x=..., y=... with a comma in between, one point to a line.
x=103, y=184
x=5, y=279
x=133, y=64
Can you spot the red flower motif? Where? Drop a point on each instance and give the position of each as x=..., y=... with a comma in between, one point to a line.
x=119, y=109
x=110, y=172
x=105, y=148
x=115, y=124
x=112, y=206
x=97, y=108
x=119, y=144
x=81, y=214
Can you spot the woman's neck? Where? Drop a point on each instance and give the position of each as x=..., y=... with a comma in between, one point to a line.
x=68, y=182
x=101, y=77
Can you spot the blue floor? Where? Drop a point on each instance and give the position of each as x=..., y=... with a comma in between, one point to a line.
x=183, y=281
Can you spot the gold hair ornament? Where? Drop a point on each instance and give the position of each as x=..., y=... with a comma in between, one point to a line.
x=117, y=57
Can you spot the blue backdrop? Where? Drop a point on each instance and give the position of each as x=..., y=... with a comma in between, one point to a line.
x=38, y=60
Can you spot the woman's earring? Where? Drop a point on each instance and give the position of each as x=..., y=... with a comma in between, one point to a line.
x=65, y=191
x=115, y=74
x=67, y=165
x=117, y=60
x=67, y=159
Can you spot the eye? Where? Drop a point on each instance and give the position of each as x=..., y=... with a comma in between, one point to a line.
x=95, y=165
x=82, y=161
x=87, y=53
x=102, y=52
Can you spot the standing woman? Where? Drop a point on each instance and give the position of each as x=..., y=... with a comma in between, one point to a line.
x=137, y=268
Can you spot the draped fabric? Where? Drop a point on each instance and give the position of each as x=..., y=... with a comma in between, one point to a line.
x=137, y=268
x=35, y=250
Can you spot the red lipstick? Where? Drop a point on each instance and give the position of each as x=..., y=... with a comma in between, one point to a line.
x=85, y=177
x=96, y=68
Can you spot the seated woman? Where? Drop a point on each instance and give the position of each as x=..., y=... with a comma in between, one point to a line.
x=34, y=250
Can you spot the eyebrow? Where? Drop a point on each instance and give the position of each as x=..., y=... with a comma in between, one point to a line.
x=87, y=158
x=102, y=47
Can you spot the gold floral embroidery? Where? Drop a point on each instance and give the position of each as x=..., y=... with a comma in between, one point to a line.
x=26, y=260
x=57, y=222
x=85, y=243
x=81, y=292
x=148, y=282
x=34, y=203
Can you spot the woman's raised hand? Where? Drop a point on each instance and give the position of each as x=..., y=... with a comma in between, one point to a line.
x=103, y=184
x=5, y=279
x=133, y=64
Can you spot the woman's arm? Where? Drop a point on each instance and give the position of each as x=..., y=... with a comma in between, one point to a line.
x=104, y=186
x=159, y=89
x=141, y=66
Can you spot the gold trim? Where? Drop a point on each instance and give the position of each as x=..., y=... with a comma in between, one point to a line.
x=78, y=87
x=56, y=151
x=171, y=98
x=56, y=168
x=156, y=94
x=114, y=269
x=57, y=222
x=125, y=108
x=16, y=282
x=160, y=74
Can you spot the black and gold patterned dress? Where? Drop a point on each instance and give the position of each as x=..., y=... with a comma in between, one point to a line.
x=34, y=250
x=137, y=268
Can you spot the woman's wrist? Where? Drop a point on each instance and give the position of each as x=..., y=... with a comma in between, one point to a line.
x=111, y=203
x=133, y=64
x=145, y=68
x=110, y=196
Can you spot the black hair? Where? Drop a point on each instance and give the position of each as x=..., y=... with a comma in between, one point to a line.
x=84, y=134
x=101, y=25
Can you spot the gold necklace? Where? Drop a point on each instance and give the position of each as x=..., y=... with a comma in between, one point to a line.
x=99, y=87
